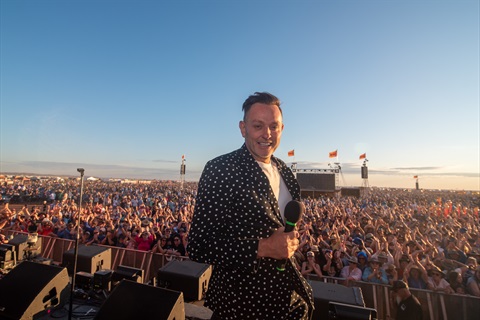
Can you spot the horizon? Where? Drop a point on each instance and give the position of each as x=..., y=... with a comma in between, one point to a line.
x=125, y=88
x=410, y=183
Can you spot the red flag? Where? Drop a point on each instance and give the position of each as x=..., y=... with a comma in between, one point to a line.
x=291, y=153
x=415, y=177
x=362, y=156
x=332, y=154
x=183, y=156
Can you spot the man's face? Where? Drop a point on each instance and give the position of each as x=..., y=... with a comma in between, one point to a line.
x=262, y=130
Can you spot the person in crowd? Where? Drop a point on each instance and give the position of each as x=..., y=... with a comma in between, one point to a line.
x=351, y=272
x=242, y=235
x=392, y=274
x=436, y=281
x=310, y=266
x=144, y=241
x=177, y=248
x=416, y=276
x=161, y=246
x=110, y=239
x=67, y=232
x=473, y=283
x=46, y=228
x=334, y=265
x=374, y=272
x=362, y=259
x=407, y=305
x=455, y=281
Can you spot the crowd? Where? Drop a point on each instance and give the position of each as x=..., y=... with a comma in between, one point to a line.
x=428, y=239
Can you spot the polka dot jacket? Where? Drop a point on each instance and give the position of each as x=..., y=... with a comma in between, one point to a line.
x=235, y=208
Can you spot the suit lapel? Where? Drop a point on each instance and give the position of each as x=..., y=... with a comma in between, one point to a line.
x=262, y=187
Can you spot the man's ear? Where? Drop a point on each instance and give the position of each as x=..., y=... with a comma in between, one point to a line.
x=241, y=125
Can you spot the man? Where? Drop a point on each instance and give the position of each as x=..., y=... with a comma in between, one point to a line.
x=238, y=224
x=408, y=306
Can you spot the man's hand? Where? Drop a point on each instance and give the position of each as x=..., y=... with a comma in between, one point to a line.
x=279, y=245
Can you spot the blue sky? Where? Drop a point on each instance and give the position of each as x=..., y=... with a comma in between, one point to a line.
x=125, y=88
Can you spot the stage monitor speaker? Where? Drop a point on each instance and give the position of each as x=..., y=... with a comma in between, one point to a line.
x=7, y=252
x=102, y=280
x=90, y=259
x=187, y=276
x=324, y=293
x=25, y=249
x=128, y=273
x=133, y=300
x=32, y=289
x=341, y=311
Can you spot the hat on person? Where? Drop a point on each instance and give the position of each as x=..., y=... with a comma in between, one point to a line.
x=362, y=254
x=352, y=260
x=314, y=248
x=382, y=256
x=374, y=259
x=399, y=284
x=369, y=236
x=435, y=269
x=358, y=241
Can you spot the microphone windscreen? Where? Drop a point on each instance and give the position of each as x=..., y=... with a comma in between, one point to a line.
x=293, y=211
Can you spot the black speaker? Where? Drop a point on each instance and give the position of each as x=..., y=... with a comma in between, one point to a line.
x=84, y=280
x=32, y=289
x=324, y=293
x=133, y=300
x=128, y=273
x=90, y=259
x=341, y=311
x=24, y=249
x=187, y=276
x=364, y=172
x=102, y=280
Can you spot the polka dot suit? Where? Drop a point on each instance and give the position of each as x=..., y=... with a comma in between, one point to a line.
x=235, y=208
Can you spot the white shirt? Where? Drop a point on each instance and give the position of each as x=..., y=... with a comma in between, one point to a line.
x=277, y=184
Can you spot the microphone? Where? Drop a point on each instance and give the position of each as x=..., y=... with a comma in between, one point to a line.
x=293, y=212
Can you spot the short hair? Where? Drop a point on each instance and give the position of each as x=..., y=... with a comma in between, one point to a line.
x=260, y=97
